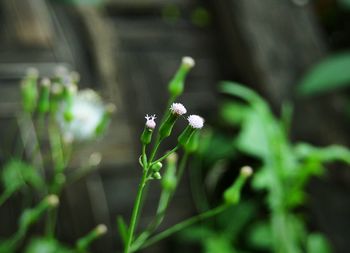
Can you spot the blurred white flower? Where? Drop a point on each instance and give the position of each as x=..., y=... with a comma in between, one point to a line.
x=87, y=110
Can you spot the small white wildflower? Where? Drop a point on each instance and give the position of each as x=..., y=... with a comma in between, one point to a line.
x=101, y=229
x=246, y=171
x=111, y=108
x=188, y=62
x=150, y=123
x=195, y=121
x=87, y=110
x=33, y=72
x=61, y=70
x=56, y=88
x=95, y=159
x=178, y=108
x=45, y=82
x=52, y=200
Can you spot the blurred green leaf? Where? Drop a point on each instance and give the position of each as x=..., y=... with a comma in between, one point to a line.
x=46, y=245
x=317, y=243
x=252, y=138
x=122, y=228
x=332, y=73
x=260, y=236
x=234, y=113
x=234, y=219
x=17, y=173
x=323, y=154
x=218, y=244
x=345, y=4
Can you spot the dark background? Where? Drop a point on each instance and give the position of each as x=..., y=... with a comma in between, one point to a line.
x=128, y=51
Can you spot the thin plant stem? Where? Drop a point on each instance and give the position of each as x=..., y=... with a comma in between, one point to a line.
x=135, y=211
x=165, y=156
x=154, y=150
x=182, y=225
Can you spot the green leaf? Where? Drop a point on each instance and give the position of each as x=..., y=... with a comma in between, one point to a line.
x=345, y=4
x=323, y=154
x=260, y=236
x=235, y=218
x=233, y=113
x=317, y=243
x=122, y=228
x=17, y=174
x=46, y=245
x=252, y=139
x=332, y=73
x=218, y=244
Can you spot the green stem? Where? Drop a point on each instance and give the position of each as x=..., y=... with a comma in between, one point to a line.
x=135, y=212
x=154, y=150
x=182, y=225
x=164, y=156
x=144, y=155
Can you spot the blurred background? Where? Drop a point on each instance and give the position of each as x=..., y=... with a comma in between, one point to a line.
x=288, y=51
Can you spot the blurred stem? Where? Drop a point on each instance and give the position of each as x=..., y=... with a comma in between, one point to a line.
x=60, y=162
x=184, y=224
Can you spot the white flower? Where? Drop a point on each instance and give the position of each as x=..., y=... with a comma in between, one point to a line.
x=150, y=123
x=188, y=62
x=195, y=121
x=246, y=171
x=87, y=111
x=178, y=108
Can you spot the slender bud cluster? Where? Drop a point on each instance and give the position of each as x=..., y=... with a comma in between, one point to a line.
x=81, y=115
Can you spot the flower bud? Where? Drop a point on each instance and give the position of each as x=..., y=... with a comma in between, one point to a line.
x=176, y=85
x=44, y=96
x=157, y=166
x=169, y=179
x=29, y=90
x=193, y=143
x=176, y=110
x=195, y=123
x=146, y=135
x=233, y=194
x=156, y=175
x=69, y=94
x=84, y=242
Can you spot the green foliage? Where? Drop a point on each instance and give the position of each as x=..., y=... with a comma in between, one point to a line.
x=46, y=245
x=17, y=174
x=284, y=171
x=331, y=73
x=345, y=4
x=317, y=243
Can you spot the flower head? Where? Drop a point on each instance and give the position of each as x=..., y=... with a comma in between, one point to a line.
x=87, y=110
x=246, y=171
x=178, y=109
x=195, y=121
x=188, y=62
x=150, y=123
